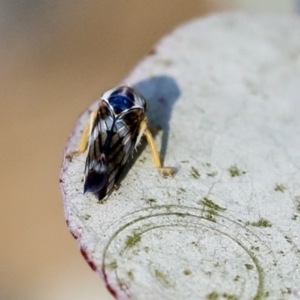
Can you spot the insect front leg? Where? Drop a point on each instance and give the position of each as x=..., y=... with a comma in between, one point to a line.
x=84, y=138
x=144, y=130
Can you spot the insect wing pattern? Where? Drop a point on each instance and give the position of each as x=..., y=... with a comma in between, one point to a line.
x=112, y=138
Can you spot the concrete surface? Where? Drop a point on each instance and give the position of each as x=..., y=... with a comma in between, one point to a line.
x=225, y=90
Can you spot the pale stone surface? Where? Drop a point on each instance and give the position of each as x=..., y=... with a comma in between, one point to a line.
x=225, y=90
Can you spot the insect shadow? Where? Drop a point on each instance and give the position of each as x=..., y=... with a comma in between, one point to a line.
x=160, y=92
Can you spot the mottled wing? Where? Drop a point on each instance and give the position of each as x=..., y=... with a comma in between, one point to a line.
x=96, y=173
x=121, y=146
x=111, y=141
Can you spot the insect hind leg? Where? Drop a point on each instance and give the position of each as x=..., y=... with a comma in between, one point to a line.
x=155, y=154
x=84, y=138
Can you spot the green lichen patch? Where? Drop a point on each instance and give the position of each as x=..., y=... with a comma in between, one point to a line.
x=267, y=294
x=234, y=171
x=150, y=201
x=143, y=159
x=237, y=278
x=132, y=240
x=230, y=297
x=187, y=272
x=87, y=217
x=195, y=173
x=288, y=291
x=260, y=223
x=113, y=265
x=166, y=174
x=280, y=188
x=211, y=205
x=130, y=275
x=297, y=200
x=182, y=190
x=212, y=212
x=249, y=267
x=212, y=174
x=213, y=296
x=210, y=218
x=288, y=239
x=162, y=278
x=216, y=296
x=181, y=215
x=104, y=200
x=254, y=248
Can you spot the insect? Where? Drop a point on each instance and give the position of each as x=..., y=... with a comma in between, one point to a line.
x=114, y=129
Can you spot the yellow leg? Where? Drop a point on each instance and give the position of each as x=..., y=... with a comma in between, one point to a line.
x=144, y=130
x=84, y=138
x=153, y=148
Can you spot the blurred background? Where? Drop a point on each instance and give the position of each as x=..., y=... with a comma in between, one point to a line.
x=56, y=58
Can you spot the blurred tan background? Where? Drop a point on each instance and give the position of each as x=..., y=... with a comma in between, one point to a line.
x=56, y=58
